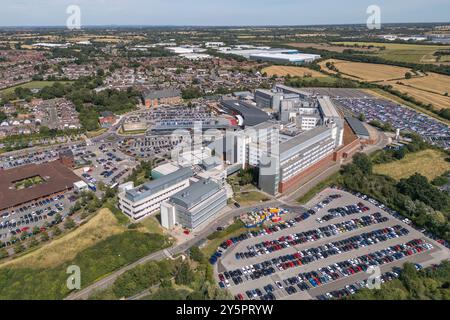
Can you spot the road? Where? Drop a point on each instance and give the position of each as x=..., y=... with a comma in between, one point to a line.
x=201, y=235
x=159, y=255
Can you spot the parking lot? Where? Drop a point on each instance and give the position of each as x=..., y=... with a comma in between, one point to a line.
x=149, y=145
x=329, y=250
x=104, y=162
x=400, y=117
x=23, y=219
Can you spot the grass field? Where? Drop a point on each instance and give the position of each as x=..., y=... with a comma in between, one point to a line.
x=429, y=163
x=370, y=72
x=428, y=89
x=438, y=101
x=250, y=197
x=282, y=71
x=31, y=85
x=100, y=227
x=99, y=247
x=414, y=53
x=325, y=46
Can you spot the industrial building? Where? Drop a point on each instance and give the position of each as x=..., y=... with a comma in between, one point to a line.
x=277, y=55
x=295, y=58
x=194, y=206
x=146, y=199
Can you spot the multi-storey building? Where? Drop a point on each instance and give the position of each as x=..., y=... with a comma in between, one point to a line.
x=194, y=206
x=146, y=199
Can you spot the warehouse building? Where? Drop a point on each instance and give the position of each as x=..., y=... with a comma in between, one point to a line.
x=194, y=206
x=146, y=199
x=295, y=58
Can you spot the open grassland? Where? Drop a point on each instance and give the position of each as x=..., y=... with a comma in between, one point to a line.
x=100, y=227
x=367, y=71
x=97, y=248
x=429, y=163
x=31, y=85
x=434, y=82
x=282, y=71
x=326, y=46
x=413, y=53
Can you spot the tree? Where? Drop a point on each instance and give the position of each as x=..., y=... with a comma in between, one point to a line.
x=19, y=247
x=69, y=224
x=363, y=162
x=56, y=231
x=184, y=274
x=3, y=253
x=408, y=75
x=44, y=237
x=362, y=117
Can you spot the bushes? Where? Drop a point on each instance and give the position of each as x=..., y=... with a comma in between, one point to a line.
x=412, y=285
x=94, y=262
x=142, y=277
x=414, y=197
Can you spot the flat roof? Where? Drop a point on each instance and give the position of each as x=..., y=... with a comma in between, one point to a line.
x=195, y=193
x=303, y=140
x=57, y=178
x=357, y=127
x=252, y=115
x=152, y=187
x=328, y=108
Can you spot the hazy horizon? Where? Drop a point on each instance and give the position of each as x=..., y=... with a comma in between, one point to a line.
x=215, y=13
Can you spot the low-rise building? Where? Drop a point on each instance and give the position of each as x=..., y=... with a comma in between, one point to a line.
x=146, y=199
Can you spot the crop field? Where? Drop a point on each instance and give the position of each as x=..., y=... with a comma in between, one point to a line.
x=367, y=71
x=283, y=71
x=414, y=53
x=438, y=101
x=326, y=46
x=429, y=163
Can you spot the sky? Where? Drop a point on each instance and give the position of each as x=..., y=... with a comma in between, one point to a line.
x=219, y=12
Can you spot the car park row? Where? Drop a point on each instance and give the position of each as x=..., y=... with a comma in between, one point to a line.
x=307, y=256
x=266, y=247
x=307, y=280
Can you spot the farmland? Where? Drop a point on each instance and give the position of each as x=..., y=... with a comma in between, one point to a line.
x=282, y=71
x=366, y=71
x=413, y=53
x=327, y=47
x=429, y=163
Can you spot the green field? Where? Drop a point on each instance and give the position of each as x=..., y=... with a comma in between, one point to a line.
x=32, y=85
x=412, y=53
x=429, y=163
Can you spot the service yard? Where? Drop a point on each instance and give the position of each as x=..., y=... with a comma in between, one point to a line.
x=324, y=252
